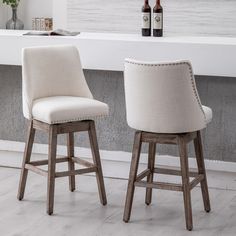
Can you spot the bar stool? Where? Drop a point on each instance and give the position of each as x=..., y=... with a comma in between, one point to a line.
x=163, y=105
x=57, y=100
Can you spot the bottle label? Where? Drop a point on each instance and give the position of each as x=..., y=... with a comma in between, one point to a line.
x=157, y=20
x=146, y=20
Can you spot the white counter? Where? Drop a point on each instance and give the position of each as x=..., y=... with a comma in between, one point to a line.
x=214, y=56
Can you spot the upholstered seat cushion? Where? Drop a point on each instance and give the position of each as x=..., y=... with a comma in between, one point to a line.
x=62, y=109
x=208, y=113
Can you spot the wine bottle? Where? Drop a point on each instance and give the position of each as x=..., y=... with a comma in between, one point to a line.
x=146, y=19
x=158, y=20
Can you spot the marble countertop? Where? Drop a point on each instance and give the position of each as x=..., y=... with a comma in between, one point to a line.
x=214, y=56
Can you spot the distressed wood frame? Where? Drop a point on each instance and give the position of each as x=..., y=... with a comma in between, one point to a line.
x=54, y=129
x=136, y=180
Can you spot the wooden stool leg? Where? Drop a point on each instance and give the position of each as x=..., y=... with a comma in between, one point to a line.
x=51, y=168
x=151, y=164
x=132, y=175
x=202, y=170
x=97, y=162
x=185, y=182
x=26, y=160
x=71, y=164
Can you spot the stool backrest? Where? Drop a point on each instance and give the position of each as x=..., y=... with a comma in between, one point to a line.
x=51, y=71
x=162, y=97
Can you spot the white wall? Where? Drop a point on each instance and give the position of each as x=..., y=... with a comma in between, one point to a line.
x=181, y=17
x=3, y=15
x=27, y=10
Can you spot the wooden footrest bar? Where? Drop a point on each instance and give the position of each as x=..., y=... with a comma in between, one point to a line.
x=36, y=170
x=63, y=159
x=82, y=162
x=44, y=173
x=143, y=174
x=173, y=171
x=45, y=162
x=75, y=172
x=196, y=181
x=159, y=185
x=168, y=186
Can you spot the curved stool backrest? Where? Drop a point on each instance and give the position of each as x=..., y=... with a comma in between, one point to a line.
x=51, y=71
x=162, y=97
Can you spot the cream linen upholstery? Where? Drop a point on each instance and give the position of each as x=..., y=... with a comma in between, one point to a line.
x=208, y=113
x=54, y=87
x=61, y=109
x=163, y=98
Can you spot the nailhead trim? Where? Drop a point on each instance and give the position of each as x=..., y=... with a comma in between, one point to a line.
x=76, y=119
x=176, y=64
x=195, y=91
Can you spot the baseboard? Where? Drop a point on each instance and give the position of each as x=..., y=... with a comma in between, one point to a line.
x=118, y=157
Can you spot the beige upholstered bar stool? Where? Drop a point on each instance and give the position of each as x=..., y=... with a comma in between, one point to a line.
x=163, y=105
x=57, y=100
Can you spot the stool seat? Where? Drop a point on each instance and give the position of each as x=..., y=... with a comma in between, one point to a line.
x=62, y=109
x=208, y=113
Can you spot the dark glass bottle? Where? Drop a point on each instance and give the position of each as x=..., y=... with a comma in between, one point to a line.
x=158, y=20
x=146, y=19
